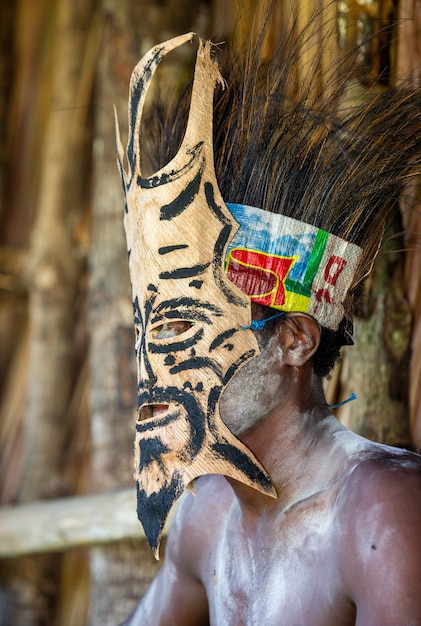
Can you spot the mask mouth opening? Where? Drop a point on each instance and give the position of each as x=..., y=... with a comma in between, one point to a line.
x=150, y=411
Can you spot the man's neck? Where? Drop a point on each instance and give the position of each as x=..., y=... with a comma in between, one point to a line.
x=300, y=444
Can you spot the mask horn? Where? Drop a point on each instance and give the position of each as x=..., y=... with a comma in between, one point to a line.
x=199, y=128
x=139, y=84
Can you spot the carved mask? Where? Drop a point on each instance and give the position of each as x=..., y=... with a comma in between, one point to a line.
x=188, y=314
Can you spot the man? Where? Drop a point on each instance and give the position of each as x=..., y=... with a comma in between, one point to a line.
x=293, y=519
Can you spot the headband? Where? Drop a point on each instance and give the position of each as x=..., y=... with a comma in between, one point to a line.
x=289, y=265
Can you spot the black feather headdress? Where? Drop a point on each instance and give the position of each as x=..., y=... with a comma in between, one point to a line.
x=283, y=146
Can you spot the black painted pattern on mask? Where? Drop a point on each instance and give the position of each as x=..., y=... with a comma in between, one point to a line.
x=185, y=272
x=184, y=199
x=185, y=308
x=140, y=324
x=168, y=249
x=219, y=249
x=175, y=346
x=168, y=177
x=197, y=363
x=246, y=356
x=221, y=338
x=152, y=510
x=135, y=97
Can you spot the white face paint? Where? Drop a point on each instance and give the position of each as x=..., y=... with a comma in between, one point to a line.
x=254, y=392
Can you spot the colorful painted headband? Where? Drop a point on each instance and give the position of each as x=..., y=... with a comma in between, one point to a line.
x=289, y=265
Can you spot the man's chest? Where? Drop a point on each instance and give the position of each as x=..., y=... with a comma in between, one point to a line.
x=278, y=574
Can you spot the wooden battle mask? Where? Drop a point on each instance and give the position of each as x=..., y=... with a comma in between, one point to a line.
x=188, y=314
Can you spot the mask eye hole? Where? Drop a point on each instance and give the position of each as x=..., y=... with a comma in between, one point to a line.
x=171, y=329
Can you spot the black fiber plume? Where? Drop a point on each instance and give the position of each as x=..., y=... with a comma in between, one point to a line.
x=287, y=148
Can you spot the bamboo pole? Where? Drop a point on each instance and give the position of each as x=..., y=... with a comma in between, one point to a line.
x=408, y=64
x=56, y=263
x=56, y=115
x=64, y=523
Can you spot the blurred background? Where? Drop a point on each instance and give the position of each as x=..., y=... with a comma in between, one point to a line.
x=71, y=549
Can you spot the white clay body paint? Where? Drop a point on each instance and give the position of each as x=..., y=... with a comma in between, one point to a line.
x=253, y=392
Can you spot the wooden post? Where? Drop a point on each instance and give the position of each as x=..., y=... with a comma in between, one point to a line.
x=408, y=72
x=123, y=569
x=53, y=273
x=376, y=367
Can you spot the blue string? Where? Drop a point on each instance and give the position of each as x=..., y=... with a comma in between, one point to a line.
x=260, y=324
x=352, y=397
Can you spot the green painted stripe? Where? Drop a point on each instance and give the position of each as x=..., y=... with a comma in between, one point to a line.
x=315, y=258
x=295, y=287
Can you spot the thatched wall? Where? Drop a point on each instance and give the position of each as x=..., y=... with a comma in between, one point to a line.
x=67, y=379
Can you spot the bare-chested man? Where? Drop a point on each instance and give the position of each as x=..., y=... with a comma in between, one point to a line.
x=342, y=543
x=241, y=308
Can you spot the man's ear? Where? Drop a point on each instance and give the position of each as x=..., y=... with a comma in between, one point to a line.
x=301, y=338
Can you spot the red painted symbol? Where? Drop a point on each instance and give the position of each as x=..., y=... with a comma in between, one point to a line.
x=333, y=269
x=323, y=294
x=261, y=276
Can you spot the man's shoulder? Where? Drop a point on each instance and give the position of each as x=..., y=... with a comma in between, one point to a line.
x=381, y=497
x=380, y=472
x=379, y=517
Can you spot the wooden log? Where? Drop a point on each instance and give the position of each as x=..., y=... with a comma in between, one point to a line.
x=112, y=394
x=57, y=525
x=57, y=118
x=408, y=72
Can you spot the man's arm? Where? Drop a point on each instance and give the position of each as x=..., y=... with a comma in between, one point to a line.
x=381, y=554
x=176, y=595
x=173, y=598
